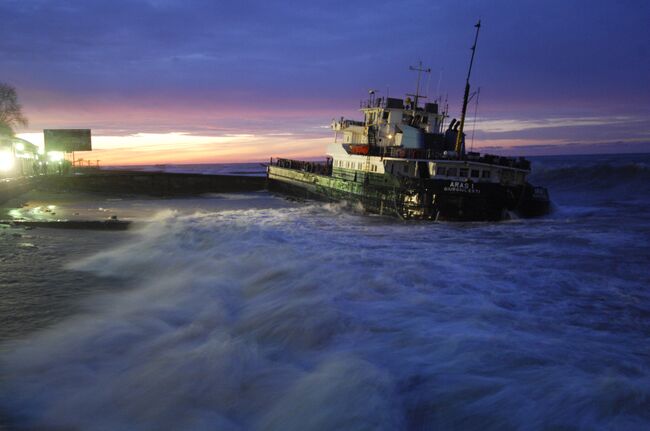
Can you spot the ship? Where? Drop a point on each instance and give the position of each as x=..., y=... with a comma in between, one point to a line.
x=402, y=160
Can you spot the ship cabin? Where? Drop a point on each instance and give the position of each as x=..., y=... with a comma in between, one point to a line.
x=392, y=122
x=377, y=169
x=399, y=138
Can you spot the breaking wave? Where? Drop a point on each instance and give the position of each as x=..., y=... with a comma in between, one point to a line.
x=312, y=317
x=616, y=185
x=602, y=176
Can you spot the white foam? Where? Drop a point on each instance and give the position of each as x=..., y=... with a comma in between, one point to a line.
x=307, y=317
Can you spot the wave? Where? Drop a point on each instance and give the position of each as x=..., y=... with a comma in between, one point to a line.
x=606, y=174
x=608, y=184
x=310, y=317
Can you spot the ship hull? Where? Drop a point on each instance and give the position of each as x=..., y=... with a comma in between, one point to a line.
x=430, y=199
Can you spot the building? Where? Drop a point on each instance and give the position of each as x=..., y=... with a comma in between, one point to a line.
x=19, y=157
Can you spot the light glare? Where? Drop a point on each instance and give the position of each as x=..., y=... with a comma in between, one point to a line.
x=55, y=156
x=6, y=161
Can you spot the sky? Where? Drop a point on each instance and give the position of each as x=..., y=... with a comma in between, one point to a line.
x=197, y=81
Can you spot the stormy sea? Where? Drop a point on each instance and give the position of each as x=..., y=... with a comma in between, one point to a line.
x=258, y=312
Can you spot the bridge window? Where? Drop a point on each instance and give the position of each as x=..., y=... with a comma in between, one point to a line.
x=475, y=173
x=463, y=172
x=486, y=174
x=451, y=172
x=441, y=170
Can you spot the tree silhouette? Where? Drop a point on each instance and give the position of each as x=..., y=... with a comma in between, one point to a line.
x=11, y=113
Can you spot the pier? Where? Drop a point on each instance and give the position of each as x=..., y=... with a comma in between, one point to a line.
x=112, y=183
x=159, y=184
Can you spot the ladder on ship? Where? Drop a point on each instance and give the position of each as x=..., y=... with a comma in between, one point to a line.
x=372, y=142
x=372, y=136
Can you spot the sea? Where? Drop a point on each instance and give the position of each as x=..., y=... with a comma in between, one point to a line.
x=258, y=312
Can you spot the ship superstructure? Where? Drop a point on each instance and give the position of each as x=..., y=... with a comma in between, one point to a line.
x=402, y=160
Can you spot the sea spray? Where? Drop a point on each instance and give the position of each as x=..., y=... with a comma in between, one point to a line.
x=309, y=316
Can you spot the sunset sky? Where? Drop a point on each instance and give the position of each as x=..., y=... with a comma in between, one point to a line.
x=191, y=81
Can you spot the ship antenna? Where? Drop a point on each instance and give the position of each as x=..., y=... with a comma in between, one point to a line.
x=459, y=137
x=417, y=95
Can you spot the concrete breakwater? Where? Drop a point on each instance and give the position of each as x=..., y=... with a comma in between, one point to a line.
x=158, y=184
x=48, y=200
x=151, y=183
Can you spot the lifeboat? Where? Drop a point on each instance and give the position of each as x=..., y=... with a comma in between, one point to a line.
x=359, y=149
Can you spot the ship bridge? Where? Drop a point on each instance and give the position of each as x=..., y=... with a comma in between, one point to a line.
x=393, y=122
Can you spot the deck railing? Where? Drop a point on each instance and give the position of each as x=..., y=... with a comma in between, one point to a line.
x=321, y=168
x=424, y=154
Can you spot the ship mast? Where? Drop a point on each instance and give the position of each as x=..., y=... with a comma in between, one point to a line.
x=459, y=137
x=417, y=95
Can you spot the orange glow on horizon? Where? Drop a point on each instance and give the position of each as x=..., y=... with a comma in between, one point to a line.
x=183, y=148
